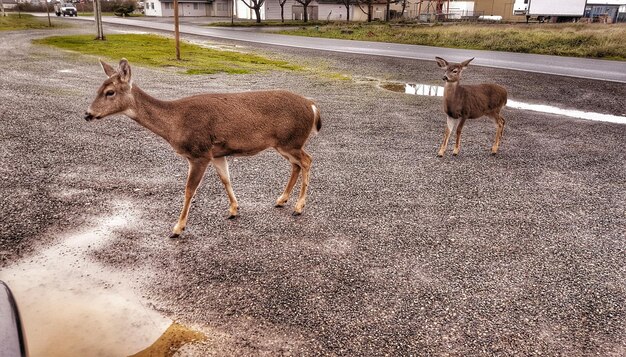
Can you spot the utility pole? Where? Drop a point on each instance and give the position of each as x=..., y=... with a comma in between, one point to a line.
x=98, y=18
x=176, y=31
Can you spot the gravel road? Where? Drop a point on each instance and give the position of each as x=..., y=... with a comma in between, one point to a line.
x=398, y=252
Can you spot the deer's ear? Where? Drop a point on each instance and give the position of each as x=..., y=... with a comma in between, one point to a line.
x=124, y=70
x=466, y=63
x=441, y=62
x=108, y=70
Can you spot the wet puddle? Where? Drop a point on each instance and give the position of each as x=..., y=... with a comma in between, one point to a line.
x=567, y=112
x=72, y=305
x=415, y=89
x=437, y=91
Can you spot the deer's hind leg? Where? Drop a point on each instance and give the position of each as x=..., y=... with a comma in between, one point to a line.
x=295, y=172
x=300, y=165
x=221, y=167
x=499, y=120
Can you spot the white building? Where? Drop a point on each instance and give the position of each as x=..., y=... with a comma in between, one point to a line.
x=292, y=10
x=612, y=10
x=165, y=8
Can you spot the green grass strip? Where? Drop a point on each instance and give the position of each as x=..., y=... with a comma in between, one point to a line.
x=267, y=23
x=575, y=40
x=14, y=22
x=158, y=51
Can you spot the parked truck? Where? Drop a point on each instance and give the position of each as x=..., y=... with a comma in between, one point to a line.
x=547, y=10
x=65, y=9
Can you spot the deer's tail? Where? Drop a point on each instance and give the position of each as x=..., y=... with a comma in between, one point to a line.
x=317, y=120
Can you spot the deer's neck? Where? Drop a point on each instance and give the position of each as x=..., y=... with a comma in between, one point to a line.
x=452, y=104
x=450, y=88
x=153, y=114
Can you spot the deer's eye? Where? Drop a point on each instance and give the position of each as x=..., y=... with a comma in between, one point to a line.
x=455, y=71
x=109, y=93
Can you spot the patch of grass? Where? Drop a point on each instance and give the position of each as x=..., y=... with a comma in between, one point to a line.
x=158, y=51
x=23, y=22
x=91, y=14
x=576, y=40
x=111, y=14
x=269, y=23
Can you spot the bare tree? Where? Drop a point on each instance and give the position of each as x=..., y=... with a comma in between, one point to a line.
x=48, y=11
x=305, y=5
x=347, y=4
x=404, y=2
x=388, y=10
x=255, y=5
x=370, y=7
x=282, y=9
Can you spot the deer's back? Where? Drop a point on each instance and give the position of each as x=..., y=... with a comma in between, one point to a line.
x=245, y=123
x=474, y=101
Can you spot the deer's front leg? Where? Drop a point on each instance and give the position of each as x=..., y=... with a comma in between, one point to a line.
x=450, y=126
x=442, y=148
x=457, y=146
x=197, y=167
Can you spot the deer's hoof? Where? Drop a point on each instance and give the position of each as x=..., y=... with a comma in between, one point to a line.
x=281, y=201
x=176, y=232
x=232, y=216
x=296, y=213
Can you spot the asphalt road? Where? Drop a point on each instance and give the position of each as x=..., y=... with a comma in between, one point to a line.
x=398, y=252
x=564, y=66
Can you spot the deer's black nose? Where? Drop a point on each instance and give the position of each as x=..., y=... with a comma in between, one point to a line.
x=88, y=116
x=445, y=78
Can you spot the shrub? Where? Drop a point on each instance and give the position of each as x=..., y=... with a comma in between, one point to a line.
x=124, y=9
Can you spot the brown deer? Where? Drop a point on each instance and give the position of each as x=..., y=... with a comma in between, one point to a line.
x=208, y=127
x=462, y=102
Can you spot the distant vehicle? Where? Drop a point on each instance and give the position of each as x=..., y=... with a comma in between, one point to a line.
x=65, y=9
x=542, y=10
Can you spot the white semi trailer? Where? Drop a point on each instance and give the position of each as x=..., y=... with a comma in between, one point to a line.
x=547, y=9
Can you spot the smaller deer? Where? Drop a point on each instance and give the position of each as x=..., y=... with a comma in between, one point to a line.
x=462, y=102
x=206, y=128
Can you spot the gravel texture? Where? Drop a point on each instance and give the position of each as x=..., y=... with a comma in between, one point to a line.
x=398, y=252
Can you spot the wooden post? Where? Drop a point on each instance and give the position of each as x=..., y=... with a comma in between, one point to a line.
x=176, y=31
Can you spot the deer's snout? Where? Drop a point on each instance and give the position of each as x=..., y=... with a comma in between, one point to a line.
x=88, y=116
x=445, y=78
